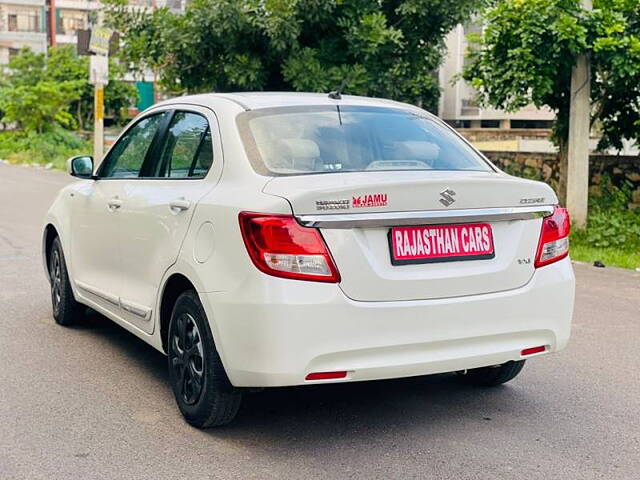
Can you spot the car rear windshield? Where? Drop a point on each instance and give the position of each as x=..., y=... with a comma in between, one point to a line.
x=307, y=140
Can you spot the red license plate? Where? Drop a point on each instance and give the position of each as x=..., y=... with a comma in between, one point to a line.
x=440, y=243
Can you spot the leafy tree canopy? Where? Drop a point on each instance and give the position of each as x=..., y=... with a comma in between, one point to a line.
x=528, y=48
x=388, y=48
x=38, y=92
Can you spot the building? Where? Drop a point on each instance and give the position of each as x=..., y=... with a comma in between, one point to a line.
x=22, y=24
x=457, y=103
x=28, y=23
x=73, y=15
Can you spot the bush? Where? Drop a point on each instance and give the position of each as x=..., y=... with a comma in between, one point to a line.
x=52, y=147
x=613, y=231
x=610, y=222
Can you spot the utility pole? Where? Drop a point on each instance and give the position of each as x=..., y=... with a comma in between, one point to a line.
x=579, y=129
x=52, y=24
x=99, y=45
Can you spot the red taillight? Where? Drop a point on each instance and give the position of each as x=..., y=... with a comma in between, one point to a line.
x=280, y=246
x=326, y=375
x=554, y=238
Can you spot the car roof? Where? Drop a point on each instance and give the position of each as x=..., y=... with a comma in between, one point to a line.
x=258, y=100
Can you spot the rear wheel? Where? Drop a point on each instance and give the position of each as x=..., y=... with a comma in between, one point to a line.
x=494, y=376
x=200, y=384
x=66, y=311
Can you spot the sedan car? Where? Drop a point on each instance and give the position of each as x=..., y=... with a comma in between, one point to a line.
x=271, y=239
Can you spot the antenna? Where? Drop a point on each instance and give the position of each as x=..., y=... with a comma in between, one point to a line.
x=337, y=94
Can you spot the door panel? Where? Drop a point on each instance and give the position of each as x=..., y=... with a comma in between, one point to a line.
x=97, y=216
x=95, y=251
x=159, y=210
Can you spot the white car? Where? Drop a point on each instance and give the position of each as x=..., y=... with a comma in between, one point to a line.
x=272, y=239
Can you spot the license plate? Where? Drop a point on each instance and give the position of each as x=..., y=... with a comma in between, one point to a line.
x=440, y=243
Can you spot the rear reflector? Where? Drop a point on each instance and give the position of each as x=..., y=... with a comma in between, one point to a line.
x=278, y=245
x=325, y=375
x=554, y=238
x=532, y=350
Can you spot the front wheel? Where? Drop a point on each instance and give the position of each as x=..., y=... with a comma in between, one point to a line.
x=493, y=376
x=200, y=384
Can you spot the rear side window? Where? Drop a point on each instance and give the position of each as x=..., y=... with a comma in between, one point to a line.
x=187, y=151
x=295, y=141
x=126, y=158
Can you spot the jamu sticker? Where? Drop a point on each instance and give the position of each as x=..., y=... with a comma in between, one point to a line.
x=370, y=200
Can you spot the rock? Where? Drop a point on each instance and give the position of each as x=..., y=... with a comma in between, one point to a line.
x=635, y=196
x=633, y=176
x=532, y=162
x=595, y=191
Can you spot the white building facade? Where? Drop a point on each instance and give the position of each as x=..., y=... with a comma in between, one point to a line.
x=457, y=102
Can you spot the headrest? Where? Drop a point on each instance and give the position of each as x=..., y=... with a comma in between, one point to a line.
x=415, y=150
x=299, y=148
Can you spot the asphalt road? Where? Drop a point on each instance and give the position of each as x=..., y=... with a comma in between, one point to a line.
x=93, y=401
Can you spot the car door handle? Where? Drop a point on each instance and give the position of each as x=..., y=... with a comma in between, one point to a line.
x=179, y=204
x=114, y=204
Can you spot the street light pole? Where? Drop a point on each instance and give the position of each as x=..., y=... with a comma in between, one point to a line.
x=579, y=129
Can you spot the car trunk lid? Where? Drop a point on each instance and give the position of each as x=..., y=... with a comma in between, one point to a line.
x=356, y=212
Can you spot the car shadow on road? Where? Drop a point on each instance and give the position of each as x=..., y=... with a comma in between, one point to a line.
x=300, y=418
x=132, y=348
x=305, y=417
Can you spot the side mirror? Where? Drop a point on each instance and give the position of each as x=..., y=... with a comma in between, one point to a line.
x=80, y=166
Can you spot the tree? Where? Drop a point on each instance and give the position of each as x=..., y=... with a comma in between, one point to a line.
x=31, y=98
x=64, y=64
x=38, y=92
x=389, y=48
x=528, y=48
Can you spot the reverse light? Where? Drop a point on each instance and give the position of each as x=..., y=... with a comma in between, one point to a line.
x=278, y=245
x=554, y=238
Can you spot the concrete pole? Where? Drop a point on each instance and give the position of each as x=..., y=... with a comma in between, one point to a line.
x=578, y=148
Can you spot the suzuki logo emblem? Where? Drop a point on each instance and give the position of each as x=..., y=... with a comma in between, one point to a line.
x=447, y=197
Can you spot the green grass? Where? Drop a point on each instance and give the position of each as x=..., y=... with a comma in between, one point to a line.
x=50, y=149
x=610, y=256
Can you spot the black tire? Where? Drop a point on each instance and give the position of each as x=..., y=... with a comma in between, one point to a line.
x=200, y=384
x=493, y=376
x=66, y=311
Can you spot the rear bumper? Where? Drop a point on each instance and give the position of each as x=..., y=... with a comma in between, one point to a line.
x=277, y=331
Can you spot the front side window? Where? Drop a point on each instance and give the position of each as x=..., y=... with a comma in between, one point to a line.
x=126, y=158
x=187, y=151
x=296, y=141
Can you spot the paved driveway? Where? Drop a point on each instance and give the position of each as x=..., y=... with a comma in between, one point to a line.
x=93, y=401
